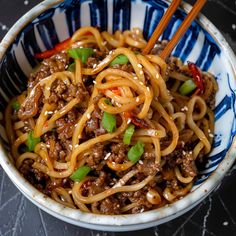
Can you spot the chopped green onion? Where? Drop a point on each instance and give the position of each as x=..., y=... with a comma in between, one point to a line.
x=128, y=134
x=80, y=173
x=187, y=87
x=136, y=152
x=16, y=105
x=81, y=53
x=71, y=67
x=32, y=141
x=121, y=59
x=108, y=102
x=109, y=122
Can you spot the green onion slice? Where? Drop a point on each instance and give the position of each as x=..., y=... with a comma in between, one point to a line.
x=187, y=87
x=121, y=59
x=15, y=105
x=136, y=152
x=32, y=141
x=80, y=173
x=81, y=53
x=109, y=122
x=128, y=134
x=71, y=67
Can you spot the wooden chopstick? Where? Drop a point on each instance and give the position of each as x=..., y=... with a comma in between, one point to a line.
x=161, y=26
x=183, y=28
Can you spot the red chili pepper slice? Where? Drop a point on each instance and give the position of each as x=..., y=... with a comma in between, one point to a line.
x=116, y=91
x=58, y=48
x=139, y=122
x=135, y=120
x=196, y=76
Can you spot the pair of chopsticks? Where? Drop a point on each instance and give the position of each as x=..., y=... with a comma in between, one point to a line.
x=179, y=33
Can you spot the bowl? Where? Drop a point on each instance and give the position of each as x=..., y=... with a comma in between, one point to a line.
x=52, y=21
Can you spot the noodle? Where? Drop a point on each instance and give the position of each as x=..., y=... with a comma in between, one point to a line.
x=118, y=118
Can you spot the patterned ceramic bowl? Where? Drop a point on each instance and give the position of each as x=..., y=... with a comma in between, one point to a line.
x=53, y=21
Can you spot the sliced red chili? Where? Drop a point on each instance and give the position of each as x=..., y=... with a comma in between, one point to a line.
x=196, y=76
x=139, y=122
x=116, y=91
x=135, y=120
x=58, y=48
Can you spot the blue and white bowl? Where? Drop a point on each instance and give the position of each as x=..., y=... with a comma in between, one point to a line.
x=52, y=21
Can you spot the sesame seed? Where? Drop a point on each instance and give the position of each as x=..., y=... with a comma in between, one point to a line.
x=142, y=210
x=107, y=155
x=140, y=66
x=140, y=162
x=76, y=145
x=185, y=108
x=182, y=143
x=209, y=130
x=225, y=223
x=47, y=145
x=190, y=152
x=157, y=76
x=148, y=89
x=94, y=66
x=50, y=112
x=110, y=52
x=88, y=116
x=70, y=146
x=95, y=50
x=95, y=82
x=104, y=43
x=135, y=77
x=141, y=83
x=45, y=113
x=184, y=153
x=137, y=99
x=211, y=135
x=141, y=72
x=128, y=121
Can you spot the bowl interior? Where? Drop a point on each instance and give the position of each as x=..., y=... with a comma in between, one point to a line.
x=60, y=21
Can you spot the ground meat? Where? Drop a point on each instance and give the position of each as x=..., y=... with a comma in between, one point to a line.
x=159, y=47
x=187, y=164
x=97, y=155
x=110, y=206
x=58, y=153
x=125, y=67
x=65, y=129
x=56, y=63
x=118, y=152
x=30, y=108
x=148, y=167
x=34, y=176
x=91, y=62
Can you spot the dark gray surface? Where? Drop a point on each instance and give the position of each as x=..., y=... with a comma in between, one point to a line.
x=215, y=216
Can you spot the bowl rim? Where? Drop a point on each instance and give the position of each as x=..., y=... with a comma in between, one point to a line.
x=117, y=222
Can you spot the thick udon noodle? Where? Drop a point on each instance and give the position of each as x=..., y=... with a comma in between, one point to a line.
x=172, y=121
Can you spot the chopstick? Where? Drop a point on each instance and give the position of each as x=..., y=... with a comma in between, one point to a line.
x=179, y=33
x=161, y=26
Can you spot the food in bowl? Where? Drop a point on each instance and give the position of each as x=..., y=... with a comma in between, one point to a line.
x=107, y=130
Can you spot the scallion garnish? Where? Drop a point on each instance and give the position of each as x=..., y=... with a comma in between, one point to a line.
x=81, y=53
x=136, y=152
x=121, y=59
x=16, y=105
x=71, y=67
x=32, y=141
x=128, y=134
x=80, y=173
x=187, y=87
x=109, y=122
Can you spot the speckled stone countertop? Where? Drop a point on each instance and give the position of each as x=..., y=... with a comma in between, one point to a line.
x=215, y=216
